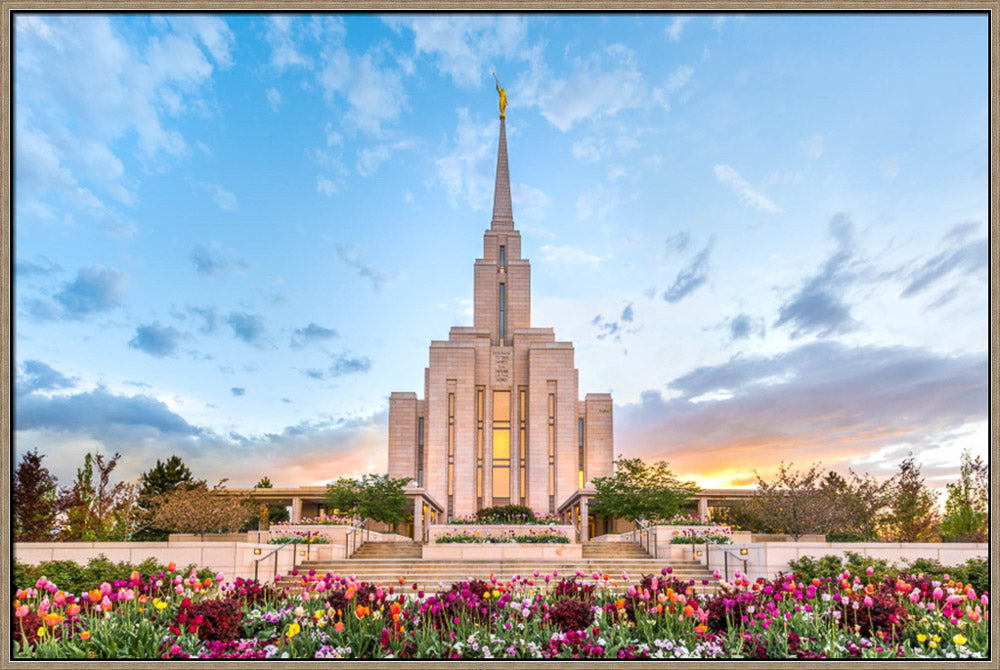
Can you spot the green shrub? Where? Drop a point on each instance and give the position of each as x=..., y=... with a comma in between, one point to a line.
x=73, y=577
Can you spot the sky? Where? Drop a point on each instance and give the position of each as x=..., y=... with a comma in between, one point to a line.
x=766, y=234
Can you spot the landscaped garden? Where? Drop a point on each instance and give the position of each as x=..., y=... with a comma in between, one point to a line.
x=851, y=612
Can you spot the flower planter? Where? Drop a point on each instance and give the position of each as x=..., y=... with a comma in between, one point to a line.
x=486, y=530
x=501, y=552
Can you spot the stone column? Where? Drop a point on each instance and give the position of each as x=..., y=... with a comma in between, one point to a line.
x=418, y=519
x=584, y=520
x=703, y=508
x=263, y=517
x=296, y=510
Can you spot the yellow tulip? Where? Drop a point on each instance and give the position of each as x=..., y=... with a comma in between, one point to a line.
x=960, y=639
x=921, y=638
x=293, y=630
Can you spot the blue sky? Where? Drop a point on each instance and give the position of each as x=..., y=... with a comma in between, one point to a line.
x=766, y=234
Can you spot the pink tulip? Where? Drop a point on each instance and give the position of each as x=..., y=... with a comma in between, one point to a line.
x=938, y=593
x=914, y=596
x=105, y=588
x=105, y=603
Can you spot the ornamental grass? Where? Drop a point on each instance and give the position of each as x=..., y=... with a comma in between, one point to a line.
x=177, y=616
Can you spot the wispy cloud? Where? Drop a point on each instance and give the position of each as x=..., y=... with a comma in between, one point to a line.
x=209, y=261
x=818, y=307
x=674, y=30
x=960, y=256
x=311, y=334
x=39, y=376
x=350, y=256
x=748, y=194
x=567, y=255
x=466, y=170
x=691, y=276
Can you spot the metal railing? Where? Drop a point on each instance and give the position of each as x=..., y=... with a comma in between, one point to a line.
x=356, y=537
x=645, y=536
x=726, y=553
x=274, y=552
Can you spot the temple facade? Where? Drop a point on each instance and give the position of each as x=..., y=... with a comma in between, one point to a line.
x=501, y=420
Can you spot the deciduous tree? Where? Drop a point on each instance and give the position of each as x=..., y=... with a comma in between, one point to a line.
x=97, y=509
x=201, y=510
x=640, y=491
x=966, y=511
x=376, y=497
x=912, y=516
x=793, y=502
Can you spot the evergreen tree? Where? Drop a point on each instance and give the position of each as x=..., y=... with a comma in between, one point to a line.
x=161, y=478
x=34, y=499
x=912, y=516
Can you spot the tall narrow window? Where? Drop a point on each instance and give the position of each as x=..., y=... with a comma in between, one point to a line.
x=503, y=312
x=420, y=451
x=552, y=453
x=522, y=441
x=480, y=413
x=503, y=258
x=501, y=447
x=579, y=455
x=451, y=452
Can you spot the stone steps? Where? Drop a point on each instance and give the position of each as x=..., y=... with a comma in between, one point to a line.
x=388, y=550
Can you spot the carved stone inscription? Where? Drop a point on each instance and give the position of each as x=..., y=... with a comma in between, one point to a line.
x=501, y=367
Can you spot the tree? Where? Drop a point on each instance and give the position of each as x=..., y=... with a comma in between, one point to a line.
x=794, y=503
x=640, y=491
x=34, y=499
x=161, y=478
x=376, y=497
x=858, y=506
x=97, y=511
x=200, y=510
x=966, y=512
x=911, y=517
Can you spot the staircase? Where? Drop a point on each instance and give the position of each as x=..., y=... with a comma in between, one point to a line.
x=385, y=562
x=388, y=550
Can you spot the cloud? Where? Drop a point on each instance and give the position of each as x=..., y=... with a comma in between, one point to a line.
x=238, y=391
x=43, y=268
x=567, y=255
x=674, y=30
x=346, y=365
x=628, y=314
x=742, y=326
x=603, y=84
x=462, y=44
x=597, y=201
x=748, y=195
x=248, y=327
x=678, y=242
x=677, y=80
x=273, y=98
x=820, y=401
x=39, y=376
x=209, y=317
x=208, y=262
x=818, y=307
x=326, y=186
x=960, y=255
x=690, y=277
x=156, y=339
x=350, y=258
x=98, y=414
x=80, y=79
x=226, y=200
x=812, y=146
x=373, y=92
x=467, y=171
x=280, y=37
x=95, y=289
x=311, y=334
x=529, y=203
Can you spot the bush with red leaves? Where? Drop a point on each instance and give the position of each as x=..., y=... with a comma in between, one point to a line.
x=212, y=619
x=570, y=588
x=570, y=614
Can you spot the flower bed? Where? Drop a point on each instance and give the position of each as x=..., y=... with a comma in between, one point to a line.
x=685, y=520
x=693, y=536
x=321, y=520
x=173, y=615
x=544, y=536
x=298, y=538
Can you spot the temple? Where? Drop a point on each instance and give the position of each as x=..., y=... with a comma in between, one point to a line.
x=500, y=421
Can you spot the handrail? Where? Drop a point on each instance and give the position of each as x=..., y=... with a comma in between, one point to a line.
x=709, y=542
x=274, y=553
x=645, y=531
x=351, y=544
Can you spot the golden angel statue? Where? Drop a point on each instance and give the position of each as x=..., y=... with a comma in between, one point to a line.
x=503, y=97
